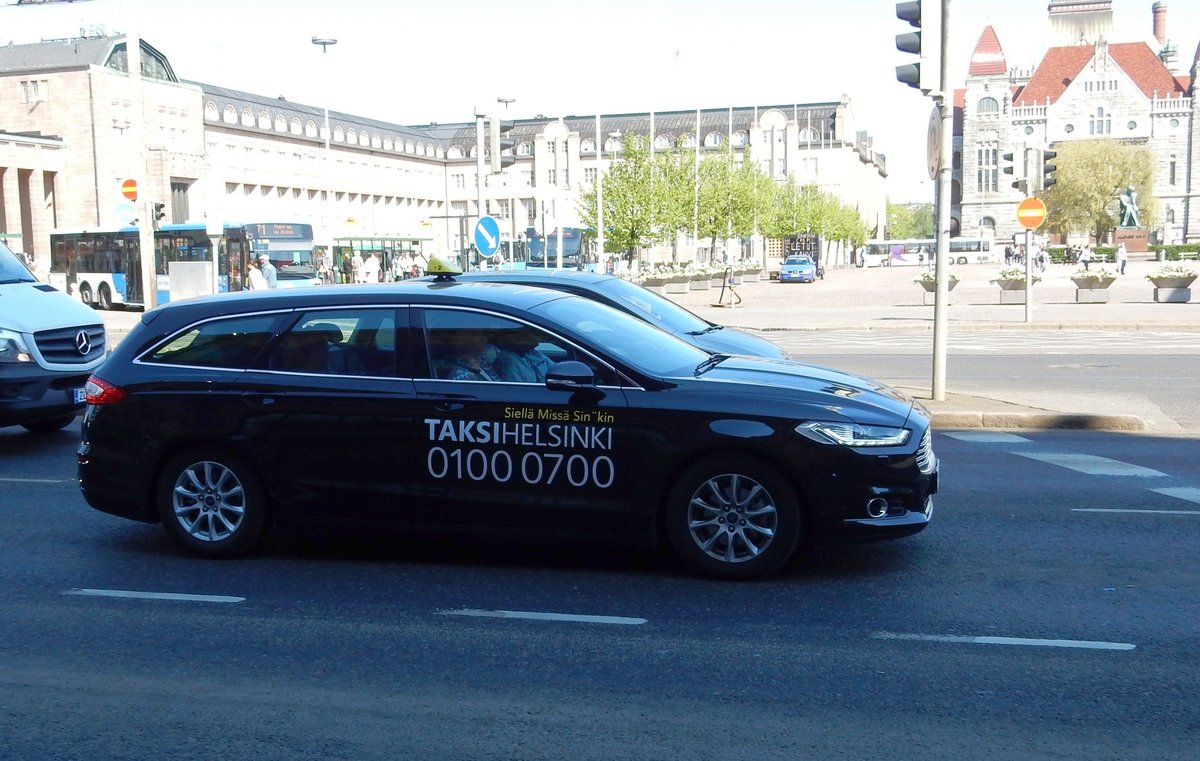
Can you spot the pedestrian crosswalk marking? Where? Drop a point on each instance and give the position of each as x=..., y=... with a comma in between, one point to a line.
x=1092, y=465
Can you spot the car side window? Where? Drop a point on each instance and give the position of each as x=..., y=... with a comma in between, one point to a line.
x=475, y=346
x=353, y=342
x=231, y=343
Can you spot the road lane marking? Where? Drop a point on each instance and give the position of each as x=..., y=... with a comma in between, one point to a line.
x=1092, y=465
x=1018, y=641
x=1116, y=510
x=153, y=595
x=1189, y=493
x=988, y=437
x=37, y=481
x=540, y=616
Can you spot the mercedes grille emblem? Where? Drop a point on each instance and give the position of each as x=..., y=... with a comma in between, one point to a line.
x=83, y=343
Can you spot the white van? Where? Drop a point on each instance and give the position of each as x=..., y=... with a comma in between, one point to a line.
x=49, y=345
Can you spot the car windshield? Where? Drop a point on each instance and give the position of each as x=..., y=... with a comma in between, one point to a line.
x=798, y=260
x=11, y=268
x=648, y=305
x=638, y=344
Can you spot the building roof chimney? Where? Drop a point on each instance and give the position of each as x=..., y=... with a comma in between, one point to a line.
x=1160, y=22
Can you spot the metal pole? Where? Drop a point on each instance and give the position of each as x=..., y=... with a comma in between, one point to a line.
x=1029, y=183
x=557, y=194
x=466, y=247
x=942, y=293
x=599, y=199
x=326, y=227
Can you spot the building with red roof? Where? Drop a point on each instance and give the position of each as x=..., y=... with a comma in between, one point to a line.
x=1086, y=86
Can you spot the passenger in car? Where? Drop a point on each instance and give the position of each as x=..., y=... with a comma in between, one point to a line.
x=463, y=356
x=342, y=359
x=518, y=359
x=301, y=352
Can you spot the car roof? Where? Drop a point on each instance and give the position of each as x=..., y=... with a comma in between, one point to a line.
x=417, y=292
x=551, y=277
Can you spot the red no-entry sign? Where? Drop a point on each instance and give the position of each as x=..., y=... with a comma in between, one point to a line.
x=1031, y=213
x=129, y=189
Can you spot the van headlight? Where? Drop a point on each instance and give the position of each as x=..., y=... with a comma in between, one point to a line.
x=853, y=435
x=12, y=347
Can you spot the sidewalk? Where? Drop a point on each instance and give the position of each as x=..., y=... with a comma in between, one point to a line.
x=887, y=299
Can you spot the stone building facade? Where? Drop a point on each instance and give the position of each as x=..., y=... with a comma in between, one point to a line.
x=1091, y=86
x=74, y=126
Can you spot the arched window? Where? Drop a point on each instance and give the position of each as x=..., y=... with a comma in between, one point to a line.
x=429, y=151
x=456, y=152
x=338, y=135
x=525, y=149
x=687, y=140
x=310, y=128
x=387, y=143
x=1100, y=123
x=230, y=116
x=210, y=111
x=612, y=145
x=280, y=123
x=376, y=141
x=662, y=143
x=712, y=140
x=351, y=136
x=409, y=146
x=587, y=145
x=740, y=138
x=808, y=135
x=987, y=223
x=297, y=128
x=247, y=118
x=987, y=106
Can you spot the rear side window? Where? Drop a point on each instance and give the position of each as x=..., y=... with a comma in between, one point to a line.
x=356, y=342
x=229, y=343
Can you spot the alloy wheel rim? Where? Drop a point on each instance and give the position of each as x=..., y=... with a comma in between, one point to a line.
x=732, y=518
x=209, y=501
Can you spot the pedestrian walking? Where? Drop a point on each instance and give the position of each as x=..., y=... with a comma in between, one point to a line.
x=268, y=270
x=255, y=276
x=1122, y=258
x=1085, y=256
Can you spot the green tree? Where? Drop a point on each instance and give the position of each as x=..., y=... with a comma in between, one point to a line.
x=1091, y=174
x=910, y=220
x=628, y=198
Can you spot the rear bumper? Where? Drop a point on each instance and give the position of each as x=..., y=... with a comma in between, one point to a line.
x=29, y=399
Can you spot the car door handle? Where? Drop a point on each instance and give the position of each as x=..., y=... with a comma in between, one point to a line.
x=449, y=406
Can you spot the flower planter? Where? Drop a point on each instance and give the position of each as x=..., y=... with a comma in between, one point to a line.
x=657, y=286
x=1011, y=291
x=678, y=285
x=1092, y=290
x=700, y=283
x=1173, y=283
x=1010, y=285
x=929, y=296
x=1173, y=295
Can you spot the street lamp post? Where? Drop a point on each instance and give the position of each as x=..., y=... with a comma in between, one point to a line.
x=326, y=231
x=599, y=199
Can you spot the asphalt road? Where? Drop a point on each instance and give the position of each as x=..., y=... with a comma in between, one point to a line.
x=1048, y=613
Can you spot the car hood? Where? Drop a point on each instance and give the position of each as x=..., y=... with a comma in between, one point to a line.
x=734, y=341
x=804, y=391
x=33, y=307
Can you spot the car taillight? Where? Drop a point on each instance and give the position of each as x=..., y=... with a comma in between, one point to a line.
x=100, y=391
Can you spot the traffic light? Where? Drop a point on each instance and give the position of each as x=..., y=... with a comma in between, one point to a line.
x=1048, y=169
x=159, y=210
x=499, y=142
x=926, y=42
x=1011, y=166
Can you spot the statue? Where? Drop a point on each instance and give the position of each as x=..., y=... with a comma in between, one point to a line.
x=1129, y=207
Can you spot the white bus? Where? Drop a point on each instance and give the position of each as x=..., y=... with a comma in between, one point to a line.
x=921, y=251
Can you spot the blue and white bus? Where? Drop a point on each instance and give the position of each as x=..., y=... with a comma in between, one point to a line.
x=922, y=251
x=104, y=267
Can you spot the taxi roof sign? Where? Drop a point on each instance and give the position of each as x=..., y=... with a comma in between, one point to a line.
x=1031, y=213
x=442, y=268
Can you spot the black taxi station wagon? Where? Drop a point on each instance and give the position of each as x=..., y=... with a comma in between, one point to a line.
x=493, y=409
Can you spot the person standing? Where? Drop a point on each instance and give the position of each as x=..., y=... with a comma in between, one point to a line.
x=356, y=262
x=256, y=280
x=1122, y=258
x=268, y=270
x=1085, y=256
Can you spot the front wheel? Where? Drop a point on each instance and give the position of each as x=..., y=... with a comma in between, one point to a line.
x=211, y=503
x=732, y=518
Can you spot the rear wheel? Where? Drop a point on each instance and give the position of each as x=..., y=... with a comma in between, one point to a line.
x=49, y=426
x=732, y=518
x=211, y=503
x=105, y=297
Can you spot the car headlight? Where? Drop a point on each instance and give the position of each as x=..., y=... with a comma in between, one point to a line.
x=853, y=435
x=12, y=347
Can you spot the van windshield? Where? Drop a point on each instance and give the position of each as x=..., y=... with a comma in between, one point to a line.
x=11, y=268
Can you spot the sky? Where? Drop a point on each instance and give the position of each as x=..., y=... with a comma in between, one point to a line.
x=413, y=62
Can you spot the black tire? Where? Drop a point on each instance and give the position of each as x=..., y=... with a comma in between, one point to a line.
x=85, y=294
x=733, y=518
x=49, y=426
x=211, y=503
x=105, y=297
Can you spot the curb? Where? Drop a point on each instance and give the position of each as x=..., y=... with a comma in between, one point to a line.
x=1038, y=420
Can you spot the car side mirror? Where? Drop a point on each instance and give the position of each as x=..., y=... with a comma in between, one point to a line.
x=571, y=375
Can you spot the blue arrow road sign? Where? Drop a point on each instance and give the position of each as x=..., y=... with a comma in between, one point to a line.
x=487, y=236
